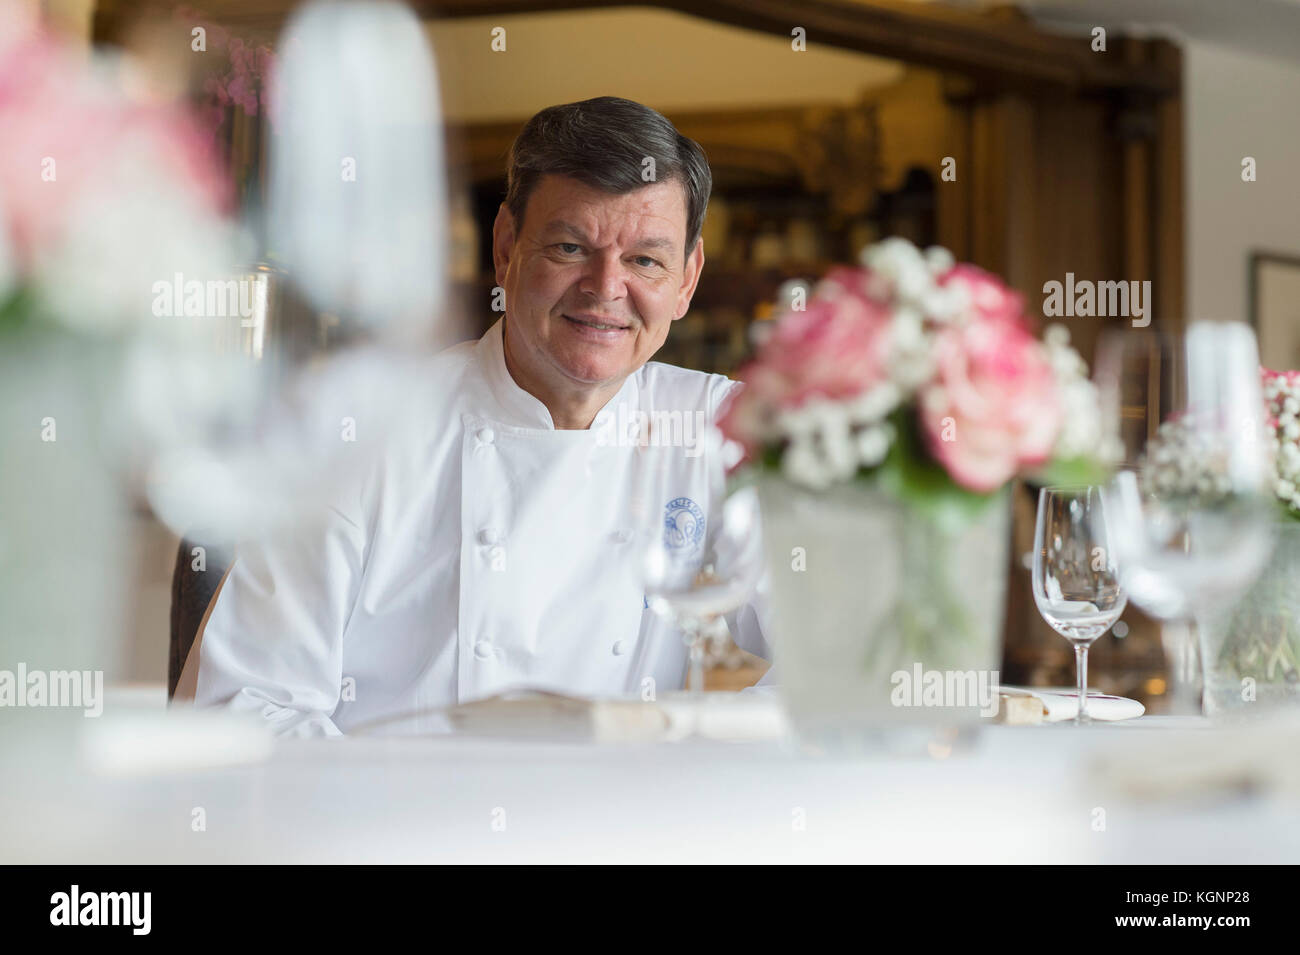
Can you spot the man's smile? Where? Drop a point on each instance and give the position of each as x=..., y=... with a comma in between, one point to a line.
x=597, y=327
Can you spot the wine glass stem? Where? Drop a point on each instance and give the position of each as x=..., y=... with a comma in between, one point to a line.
x=1081, y=664
x=696, y=680
x=1191, y=668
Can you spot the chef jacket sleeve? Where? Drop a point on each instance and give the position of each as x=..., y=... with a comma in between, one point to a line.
x=747, y=623
x=747, y=629
x=273, y=644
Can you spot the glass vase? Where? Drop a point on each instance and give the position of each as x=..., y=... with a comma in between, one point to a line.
x=1250, y=651
x=886, y=622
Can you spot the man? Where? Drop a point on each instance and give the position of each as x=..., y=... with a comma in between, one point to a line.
x=504, y=547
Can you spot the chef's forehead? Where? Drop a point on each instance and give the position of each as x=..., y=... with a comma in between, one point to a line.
x=653, y=231
x=652, y=218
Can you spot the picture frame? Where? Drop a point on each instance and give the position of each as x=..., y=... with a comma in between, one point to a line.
x=1274, y=307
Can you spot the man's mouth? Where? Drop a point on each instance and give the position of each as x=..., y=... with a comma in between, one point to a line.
x=599, y=323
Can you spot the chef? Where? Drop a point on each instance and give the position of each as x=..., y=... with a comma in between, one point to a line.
x=502, y=545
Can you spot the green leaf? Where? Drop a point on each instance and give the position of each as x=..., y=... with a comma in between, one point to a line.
x=915, y=479
x=771, y=457
x=1080, y=470
x=17, y=311
x=1285, y=511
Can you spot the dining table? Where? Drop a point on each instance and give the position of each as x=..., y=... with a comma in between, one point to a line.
x=1141, y=791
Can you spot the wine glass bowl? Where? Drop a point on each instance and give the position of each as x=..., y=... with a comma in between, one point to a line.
x=1191, y=501
x=1076, y=580
x=695, y=590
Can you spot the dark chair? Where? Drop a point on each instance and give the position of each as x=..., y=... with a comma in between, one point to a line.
x=192, y=591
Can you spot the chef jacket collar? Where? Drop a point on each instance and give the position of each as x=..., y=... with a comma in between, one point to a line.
x=523, y=410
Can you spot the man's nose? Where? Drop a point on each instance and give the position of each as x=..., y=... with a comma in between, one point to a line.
x=604, y=278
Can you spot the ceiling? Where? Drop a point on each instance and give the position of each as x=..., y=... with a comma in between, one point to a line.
x=1269, y=27
x=654, y=56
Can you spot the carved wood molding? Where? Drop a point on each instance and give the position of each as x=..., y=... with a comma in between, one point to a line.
x=994, y=48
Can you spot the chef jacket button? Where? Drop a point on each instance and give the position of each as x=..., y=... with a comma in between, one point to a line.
x=601, y=419
x=489, y=536
x=486, y=435
x=620, y=648
x=623, y=535
x=483, y=650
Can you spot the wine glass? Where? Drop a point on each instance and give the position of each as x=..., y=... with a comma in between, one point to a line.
x=1076, y=580
x=1191, y=498
x=694, y=590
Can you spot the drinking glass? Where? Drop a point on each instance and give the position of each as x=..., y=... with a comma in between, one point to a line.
x=1191, y=500
x=696, y=591
x=1076, y=580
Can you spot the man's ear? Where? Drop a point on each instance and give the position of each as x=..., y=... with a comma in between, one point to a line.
x=503, y=242
x=690, y=278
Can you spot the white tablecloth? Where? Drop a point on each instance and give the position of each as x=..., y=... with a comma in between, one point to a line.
x=1022, y=795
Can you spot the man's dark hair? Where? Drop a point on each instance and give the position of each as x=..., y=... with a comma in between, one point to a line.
x=603, y=143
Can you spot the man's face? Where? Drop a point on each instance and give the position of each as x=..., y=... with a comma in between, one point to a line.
x=583, y=259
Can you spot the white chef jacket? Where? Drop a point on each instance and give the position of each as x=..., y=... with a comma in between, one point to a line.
x=487, y=552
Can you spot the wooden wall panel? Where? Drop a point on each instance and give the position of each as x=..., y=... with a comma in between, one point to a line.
x=1090, y=185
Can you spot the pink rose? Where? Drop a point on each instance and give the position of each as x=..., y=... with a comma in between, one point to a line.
x=834, y=349
x=990, y=299
x=58, y=114
x=992, y=407
x=1273, y=407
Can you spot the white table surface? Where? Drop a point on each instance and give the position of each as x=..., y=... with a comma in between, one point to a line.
x=1019, y=795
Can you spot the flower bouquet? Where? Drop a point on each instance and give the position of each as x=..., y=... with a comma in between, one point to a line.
x=1252, y=650
x=921, y=373
x=882, y=423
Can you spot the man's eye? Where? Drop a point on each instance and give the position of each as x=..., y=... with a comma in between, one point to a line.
x=569, y=248
x=646, y=261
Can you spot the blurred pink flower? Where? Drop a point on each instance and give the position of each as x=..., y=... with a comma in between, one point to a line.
x=240, y=90
x=241, y=70
x=992, y=407
x=990, y=298
x=69, y=133
x=834, y=349
x=1267, y=374
x=981, y=386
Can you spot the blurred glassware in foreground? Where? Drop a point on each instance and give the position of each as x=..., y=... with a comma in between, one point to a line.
x=358, y=208
x=124, y=284
x=1075, y=579
x=1251, y=648
x=360, y=241
x=696, y=594
x=1191, y=506
x=104, y=192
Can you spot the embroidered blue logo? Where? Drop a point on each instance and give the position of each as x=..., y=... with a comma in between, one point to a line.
x=683, y=525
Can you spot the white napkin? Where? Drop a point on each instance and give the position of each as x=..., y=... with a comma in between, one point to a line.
x=1056, y=600
x=1062, y=703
